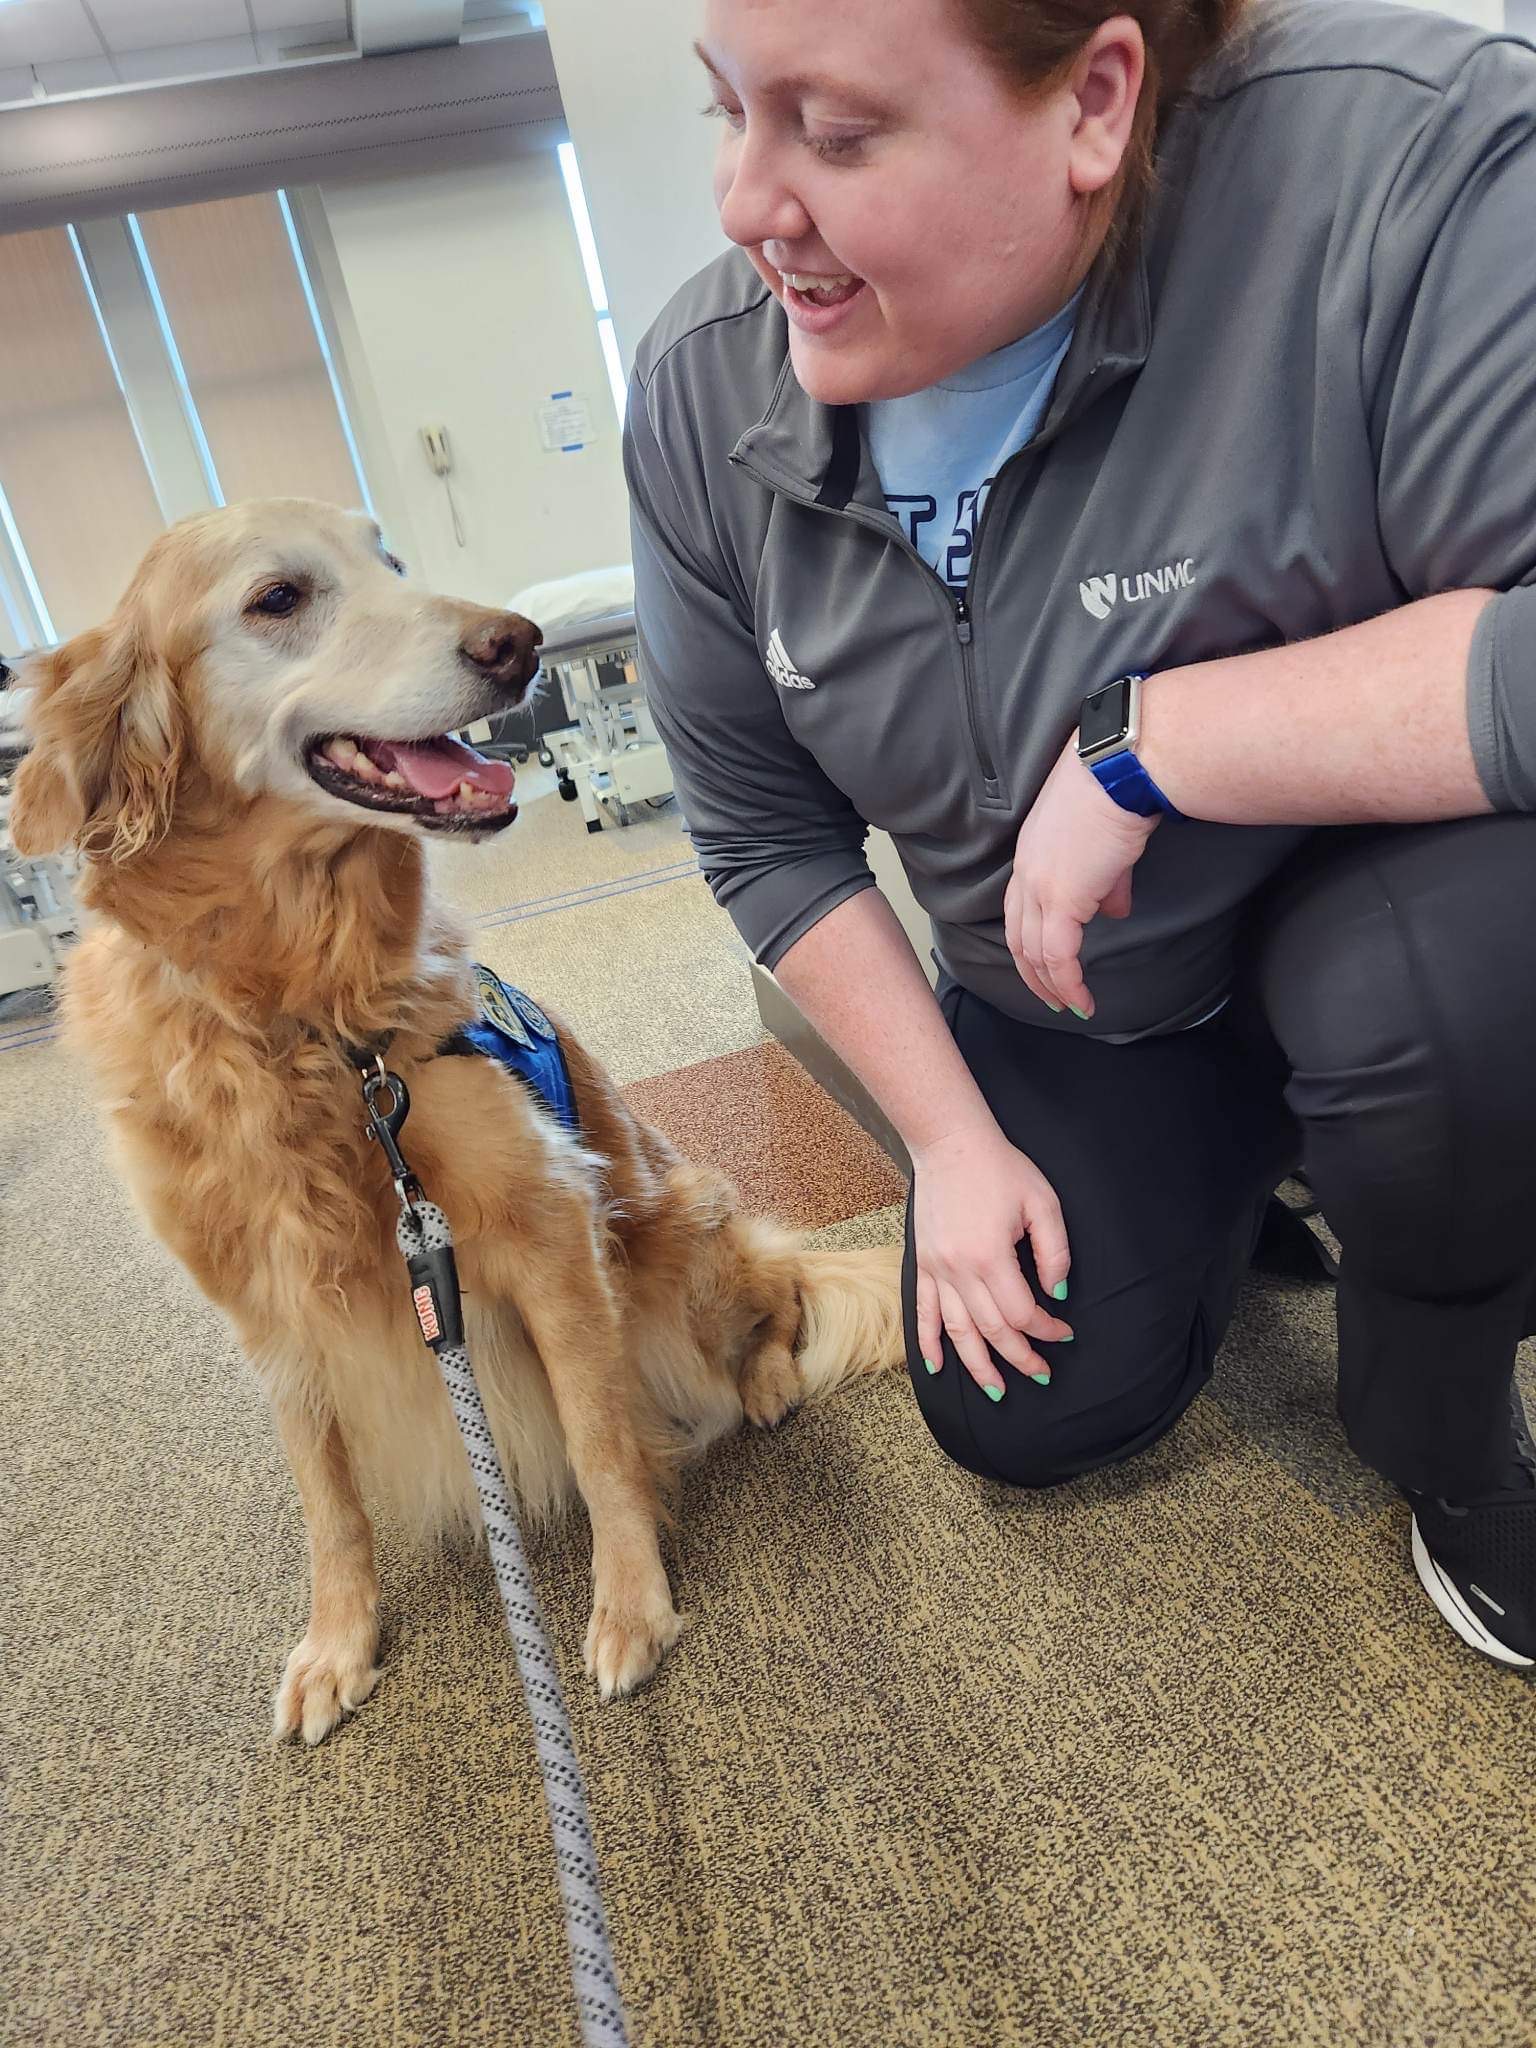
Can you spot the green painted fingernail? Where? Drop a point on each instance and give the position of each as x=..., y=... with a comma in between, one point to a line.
x=930, y=1365
x=1041, y=1379
x=1059, y=1291
x=994, y=1393
x=1080, y=1013
x=1054, y=1008
x=1070, y=1338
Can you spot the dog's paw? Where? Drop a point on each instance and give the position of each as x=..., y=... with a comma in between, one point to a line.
x=771, y=1386
x=624, y=1645
x=323, y=1681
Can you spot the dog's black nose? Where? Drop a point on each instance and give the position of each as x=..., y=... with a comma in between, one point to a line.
x=503, y=647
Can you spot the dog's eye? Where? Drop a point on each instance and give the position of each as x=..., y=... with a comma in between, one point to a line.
x=277, y=600
x=396, y=564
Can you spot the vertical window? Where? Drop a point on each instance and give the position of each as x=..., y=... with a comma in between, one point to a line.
x=15, y=632
x=577, y=199
x=26, y=632
x=240, y=320
x=76, y=504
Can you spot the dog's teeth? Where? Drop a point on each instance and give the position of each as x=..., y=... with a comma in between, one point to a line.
x=365, y=769
x=466, y=792
x=342, y=752
x=395, y=780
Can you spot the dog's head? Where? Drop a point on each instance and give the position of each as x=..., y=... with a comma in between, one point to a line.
x=271, y=650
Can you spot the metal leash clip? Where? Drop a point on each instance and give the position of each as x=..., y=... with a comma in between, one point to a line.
x=385, y=1125
x=429, y=1259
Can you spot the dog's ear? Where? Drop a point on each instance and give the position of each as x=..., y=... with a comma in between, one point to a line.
x=108, y=742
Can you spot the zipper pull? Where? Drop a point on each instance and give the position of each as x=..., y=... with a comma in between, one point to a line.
x=963, y=621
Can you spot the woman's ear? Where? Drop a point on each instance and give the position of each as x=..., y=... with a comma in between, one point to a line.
x=108, y=741
x=1107, y=83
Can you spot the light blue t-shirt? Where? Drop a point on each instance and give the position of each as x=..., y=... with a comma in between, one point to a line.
x=937, y=452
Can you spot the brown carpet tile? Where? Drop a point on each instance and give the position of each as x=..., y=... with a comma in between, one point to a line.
x=1177, y=1757
x=788, y=1146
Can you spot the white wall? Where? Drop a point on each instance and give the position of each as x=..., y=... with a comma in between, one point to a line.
x=466, y=305
x=632, y=90
x=1487, y=14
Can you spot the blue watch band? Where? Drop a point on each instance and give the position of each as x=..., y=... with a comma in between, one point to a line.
x=1123, y=777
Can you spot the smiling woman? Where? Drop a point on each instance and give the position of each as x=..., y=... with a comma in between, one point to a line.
x=844, y=183
x=905, y=466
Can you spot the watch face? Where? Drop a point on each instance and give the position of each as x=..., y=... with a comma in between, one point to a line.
x=1106, y=718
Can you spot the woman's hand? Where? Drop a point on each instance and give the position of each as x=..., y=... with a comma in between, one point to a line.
x=1072, y=863
x=975, y=1197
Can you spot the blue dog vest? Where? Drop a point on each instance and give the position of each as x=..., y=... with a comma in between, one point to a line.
x=513, y=1029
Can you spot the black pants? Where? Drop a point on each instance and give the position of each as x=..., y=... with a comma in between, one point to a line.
x=1382, y=1033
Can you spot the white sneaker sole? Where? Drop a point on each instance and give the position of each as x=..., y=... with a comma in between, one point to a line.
x=1469, y=1626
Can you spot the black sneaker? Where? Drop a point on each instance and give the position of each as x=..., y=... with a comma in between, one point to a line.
x=1478, y=1564
x=1288, y=1249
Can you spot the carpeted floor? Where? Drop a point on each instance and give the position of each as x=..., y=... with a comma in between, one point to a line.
x=1178, y=1756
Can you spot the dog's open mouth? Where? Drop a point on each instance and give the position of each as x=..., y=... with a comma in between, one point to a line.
x=440, y=782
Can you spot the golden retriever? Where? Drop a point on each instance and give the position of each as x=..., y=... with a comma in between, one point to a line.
x=249, y=755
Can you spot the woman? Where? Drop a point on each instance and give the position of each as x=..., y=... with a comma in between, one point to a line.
x=1066, y=346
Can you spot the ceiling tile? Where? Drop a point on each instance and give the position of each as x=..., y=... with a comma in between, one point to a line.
x=186, y=60
x=80, y=74
x=45, y=32
x=152, y=24
x=15, y=85
x=294, y=13
x=279, y=44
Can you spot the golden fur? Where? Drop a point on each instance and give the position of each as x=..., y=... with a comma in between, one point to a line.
x=622, y=1311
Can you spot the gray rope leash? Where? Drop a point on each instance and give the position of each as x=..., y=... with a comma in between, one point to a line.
x=424, y=1228
x=426, y=1243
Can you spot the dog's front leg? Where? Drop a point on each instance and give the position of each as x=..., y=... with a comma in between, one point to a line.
x=569, y=1309
x=331, y=1671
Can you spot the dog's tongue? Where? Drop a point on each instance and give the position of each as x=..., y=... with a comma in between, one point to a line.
x=435, y=768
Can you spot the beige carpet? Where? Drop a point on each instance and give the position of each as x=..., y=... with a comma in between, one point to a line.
x=1178, y=1756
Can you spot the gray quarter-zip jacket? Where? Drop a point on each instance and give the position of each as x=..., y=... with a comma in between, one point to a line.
x=1305, y=397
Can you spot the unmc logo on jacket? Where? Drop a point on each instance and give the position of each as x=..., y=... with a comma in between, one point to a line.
x=1100, y=592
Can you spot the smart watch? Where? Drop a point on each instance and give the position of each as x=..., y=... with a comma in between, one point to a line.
x=1107, y=734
